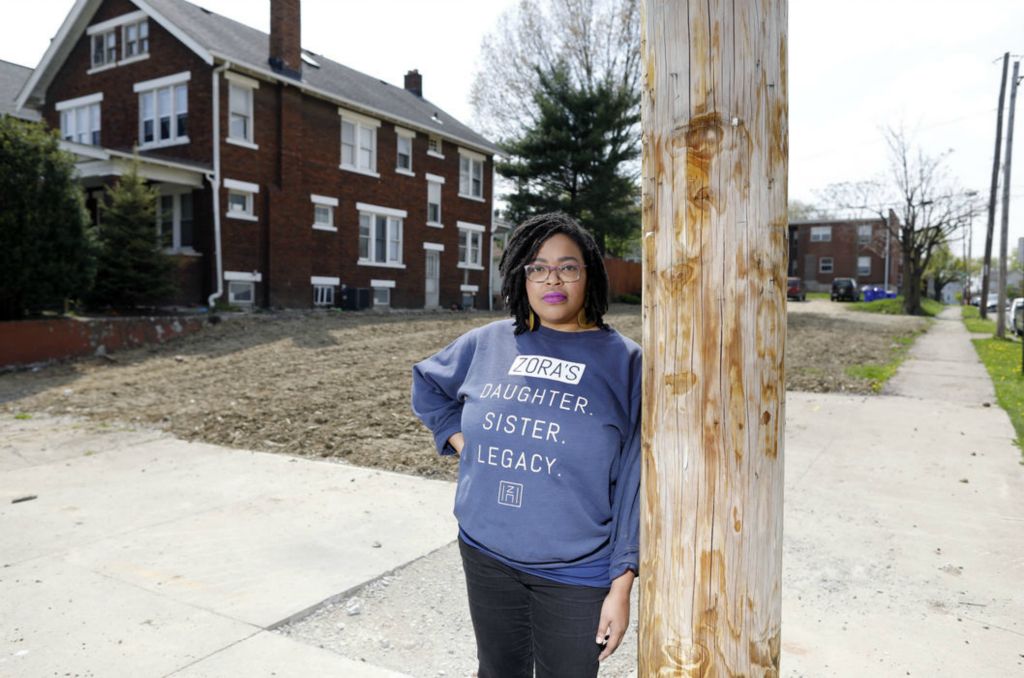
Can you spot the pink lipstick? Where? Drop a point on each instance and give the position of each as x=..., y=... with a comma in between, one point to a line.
x=555, y=297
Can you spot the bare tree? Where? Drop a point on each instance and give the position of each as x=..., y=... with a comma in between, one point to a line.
x=597, y=40
x=929, y=207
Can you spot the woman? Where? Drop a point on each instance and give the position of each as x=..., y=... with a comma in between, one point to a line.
x=544, y=413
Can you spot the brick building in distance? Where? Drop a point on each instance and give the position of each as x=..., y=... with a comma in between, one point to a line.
x=285, y=179
x=822, y=250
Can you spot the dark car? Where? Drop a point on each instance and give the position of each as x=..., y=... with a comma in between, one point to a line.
x=845, y=289
x=795, y=289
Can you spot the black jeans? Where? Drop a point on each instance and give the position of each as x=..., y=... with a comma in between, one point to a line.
x=520, y=619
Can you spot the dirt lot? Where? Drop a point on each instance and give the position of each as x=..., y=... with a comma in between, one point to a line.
x=337, y=384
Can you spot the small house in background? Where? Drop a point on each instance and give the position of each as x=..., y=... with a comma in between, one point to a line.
x=863, y=249
x=285, y=178
x=12, y=78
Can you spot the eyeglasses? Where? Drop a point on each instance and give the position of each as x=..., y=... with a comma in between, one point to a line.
x=566, y=272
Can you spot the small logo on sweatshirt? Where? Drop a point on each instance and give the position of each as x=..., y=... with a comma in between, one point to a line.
x=547, y=368
x=510, y=494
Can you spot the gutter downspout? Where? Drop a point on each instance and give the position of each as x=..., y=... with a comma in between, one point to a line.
x=214, y=180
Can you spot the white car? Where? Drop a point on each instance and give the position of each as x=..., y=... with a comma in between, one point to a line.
x=1015, y=316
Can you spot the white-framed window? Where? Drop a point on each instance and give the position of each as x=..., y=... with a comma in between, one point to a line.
x=471, y=175
x=241, y=110
x=864, y=232
x=104, y=49
x=471, y=237
x=825, y=265
x=434, y=184
x=821, y=234
x=323, y=289
x=358, y=143
x=403, y=163
x=241, y=199
x=175, y=221
x=80, y=119
x=382, y=292
x=163, y=110
x=241, y=293
x=863, y=265
x=380, y=235
x=242, y=286
x=434, y=146
x=134, y=39
x=323, y=212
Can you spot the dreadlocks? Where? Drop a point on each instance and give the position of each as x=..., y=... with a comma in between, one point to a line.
x=522, y=248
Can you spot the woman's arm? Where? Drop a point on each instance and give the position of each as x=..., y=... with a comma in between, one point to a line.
x=615, y=614
x=435, y=390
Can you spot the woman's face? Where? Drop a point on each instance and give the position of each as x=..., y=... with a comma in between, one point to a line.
x=556, y=302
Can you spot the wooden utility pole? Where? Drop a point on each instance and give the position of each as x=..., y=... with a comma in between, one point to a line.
x=987, y=261
x=1004, y=231
x=715, y=155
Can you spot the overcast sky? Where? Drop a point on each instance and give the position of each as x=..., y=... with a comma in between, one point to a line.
x=854, y=67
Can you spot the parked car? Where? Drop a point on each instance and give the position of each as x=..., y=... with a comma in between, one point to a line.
x=845, y=289
x=993, y=301
x=795, y=289
x=1014, y=310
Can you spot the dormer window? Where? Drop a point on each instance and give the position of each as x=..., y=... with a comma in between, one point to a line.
x=104, y=49
x=135, y=39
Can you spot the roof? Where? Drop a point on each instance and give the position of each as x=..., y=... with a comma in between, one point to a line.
x=217, y=38
x=12, y=79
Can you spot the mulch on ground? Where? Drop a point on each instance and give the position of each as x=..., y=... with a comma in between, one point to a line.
x=337, y=385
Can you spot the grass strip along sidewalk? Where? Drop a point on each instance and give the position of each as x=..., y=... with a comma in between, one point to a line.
x=894, y=306
x=1002, y=359
x=975, y=323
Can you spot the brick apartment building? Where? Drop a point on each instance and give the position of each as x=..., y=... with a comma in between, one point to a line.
x=820, y=251
x=285, y=179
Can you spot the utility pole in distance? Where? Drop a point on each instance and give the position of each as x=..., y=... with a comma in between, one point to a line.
x=715, y=156
x=987, y=261
x=1004, y=232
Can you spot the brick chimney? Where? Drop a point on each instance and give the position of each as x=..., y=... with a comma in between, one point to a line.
x=286, y=38
x=414, y=82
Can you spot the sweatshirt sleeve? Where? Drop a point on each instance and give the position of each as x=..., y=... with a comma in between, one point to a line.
x=626, y=500
x=435, y=390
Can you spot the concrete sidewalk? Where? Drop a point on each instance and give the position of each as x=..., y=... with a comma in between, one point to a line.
x=143, y=555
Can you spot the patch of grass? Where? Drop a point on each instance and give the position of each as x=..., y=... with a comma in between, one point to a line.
x=974, y=322
x=22, y=416
x=894, y=306
x=818, y=295
x=1002, y=359
x=877, y=373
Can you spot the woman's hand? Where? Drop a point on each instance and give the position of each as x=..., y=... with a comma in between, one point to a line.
x=458, y=442
x=615, y=614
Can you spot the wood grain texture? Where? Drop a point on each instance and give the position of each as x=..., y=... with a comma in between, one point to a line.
x=715, y=154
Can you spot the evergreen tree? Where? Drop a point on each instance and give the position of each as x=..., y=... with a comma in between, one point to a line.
x=578, y=157
x=132, y=269
x=47, y=253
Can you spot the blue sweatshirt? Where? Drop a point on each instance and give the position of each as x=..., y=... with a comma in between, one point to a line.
x=549, y=477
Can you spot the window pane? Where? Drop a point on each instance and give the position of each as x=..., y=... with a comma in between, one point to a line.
x=382, y=296
x=239, y=99
x=366, y=139
x=181, y=108
x=478, y=179
x=66, y=122
x=97, y=50
x=166, y=220
x=238, y=127
x=394, y=240
x=322, y=215
x=464, y=176
x=433, y=213
x=364, y=236
x=82, y=124
x=111, y=47
x=380, y=237
x=348, y=143
x=185, y=239
x=238, y=202
x=164, y=108
x=462, y=247
x=147, y=104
